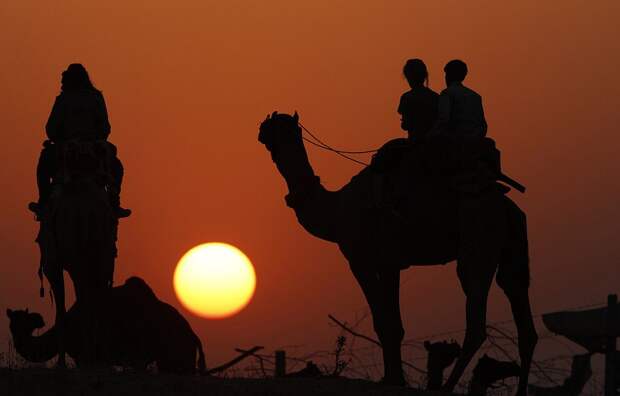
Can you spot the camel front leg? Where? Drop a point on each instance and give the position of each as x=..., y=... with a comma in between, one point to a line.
x=392, y=332
x=57, y=284
x=382, y=294
x=89, y=290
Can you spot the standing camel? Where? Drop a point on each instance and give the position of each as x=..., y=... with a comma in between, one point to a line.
x=78, y=233
x=484, y=232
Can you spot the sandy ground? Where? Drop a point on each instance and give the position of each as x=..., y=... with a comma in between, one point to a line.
x=24, y=382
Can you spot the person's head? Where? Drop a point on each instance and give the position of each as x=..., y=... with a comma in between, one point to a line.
x=456, y=70
x=415, y=72
x=76, y=78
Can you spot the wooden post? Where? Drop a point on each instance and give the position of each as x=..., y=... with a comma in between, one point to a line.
x=280, y=363
x=610, y=347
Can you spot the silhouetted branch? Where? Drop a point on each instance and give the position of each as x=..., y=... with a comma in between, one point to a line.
x=236, y=360
x=264, y=358
x=540, y=369
x=353, y=332
x=500, y=348
x=261, y=360
x=365, y=337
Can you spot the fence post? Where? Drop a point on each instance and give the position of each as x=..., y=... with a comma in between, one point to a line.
x=610, y=347
x=280, y=363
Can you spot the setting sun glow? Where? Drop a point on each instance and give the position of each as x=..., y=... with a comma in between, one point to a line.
x=214, y=280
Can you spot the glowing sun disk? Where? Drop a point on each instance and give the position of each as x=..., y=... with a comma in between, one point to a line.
x=214, y=280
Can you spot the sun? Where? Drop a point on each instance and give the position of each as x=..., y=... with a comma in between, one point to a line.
x=214, y=280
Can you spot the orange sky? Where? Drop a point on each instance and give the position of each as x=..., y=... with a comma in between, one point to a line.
x=186, y=87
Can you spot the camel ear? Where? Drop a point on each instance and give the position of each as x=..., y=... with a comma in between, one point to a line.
x=275, y=113
x=9, y=313
x=296, y=117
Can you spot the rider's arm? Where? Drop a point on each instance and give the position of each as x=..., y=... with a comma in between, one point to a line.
x=103, y=124
x=402, y=108
x=484, y=121
x=54, y=122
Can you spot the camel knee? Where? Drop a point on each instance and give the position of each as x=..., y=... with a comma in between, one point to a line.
x=473, y=341
x=389, y=333
x=527, y=344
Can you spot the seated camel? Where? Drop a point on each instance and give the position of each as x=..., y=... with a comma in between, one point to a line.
x=134, y=328
x=489, y=371
x=441, y=355
x=573, y=385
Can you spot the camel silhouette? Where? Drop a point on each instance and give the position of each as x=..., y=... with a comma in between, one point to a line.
x=135, y=329
x=488, y=371
x=485, y=232
x=78, y=233
x=573, y=385
x=441, y=355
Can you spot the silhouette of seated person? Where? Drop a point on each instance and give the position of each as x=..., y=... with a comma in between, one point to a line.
x=452, y=127
x=460, y=112
x=79, y=114
x=418, y=111
x=418, y=106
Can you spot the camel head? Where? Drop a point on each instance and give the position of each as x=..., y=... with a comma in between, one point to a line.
x=489, y=370
x=442, y=354
x=278, y=128
x=24, y=322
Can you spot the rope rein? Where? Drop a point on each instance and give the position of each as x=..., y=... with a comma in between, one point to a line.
x=343, y=153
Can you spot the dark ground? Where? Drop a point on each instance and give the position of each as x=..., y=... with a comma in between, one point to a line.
x=41, y=381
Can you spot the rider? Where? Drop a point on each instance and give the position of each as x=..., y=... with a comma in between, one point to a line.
x=460, y=111
x=418, y=106
x=79, y=112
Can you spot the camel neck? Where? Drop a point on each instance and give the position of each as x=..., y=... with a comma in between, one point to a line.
x=435, y=377
x=37, y=348
x=292, y=161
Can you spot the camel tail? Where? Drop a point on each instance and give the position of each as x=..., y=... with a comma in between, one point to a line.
x=514, y=266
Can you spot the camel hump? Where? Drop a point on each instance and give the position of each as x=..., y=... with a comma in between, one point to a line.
x=390, y=155
x=139, y=286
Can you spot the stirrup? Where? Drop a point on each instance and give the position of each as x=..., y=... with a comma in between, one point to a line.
x=122, y=212
x=36, y=208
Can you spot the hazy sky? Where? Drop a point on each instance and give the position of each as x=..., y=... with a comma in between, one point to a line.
x=187, y=84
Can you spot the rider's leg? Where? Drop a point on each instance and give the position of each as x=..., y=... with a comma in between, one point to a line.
x=44, y=179
x=117, y=172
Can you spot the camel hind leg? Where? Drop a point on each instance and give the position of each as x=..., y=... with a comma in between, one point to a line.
x=57, y=284
x=528, y=338
x=513, y=276
x=476, y=279
x=480, y=244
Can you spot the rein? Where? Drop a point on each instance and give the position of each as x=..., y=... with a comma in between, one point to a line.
x=343, y=153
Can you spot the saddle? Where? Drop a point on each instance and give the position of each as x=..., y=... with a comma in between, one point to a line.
x=74, y=163
x=469, y=166
x=421, y=189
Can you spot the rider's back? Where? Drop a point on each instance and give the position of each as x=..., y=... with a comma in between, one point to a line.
x=461, y=112
x=79, y=113
x=418, y=109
